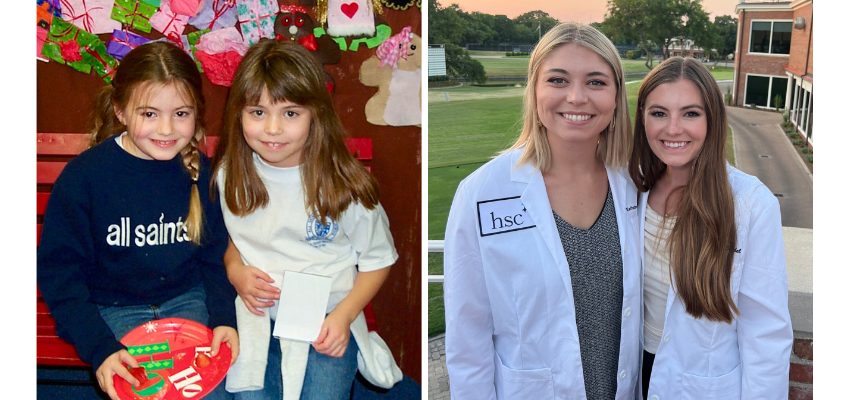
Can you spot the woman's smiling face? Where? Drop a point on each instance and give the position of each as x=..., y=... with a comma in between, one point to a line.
x=676, y=124
x=576, y=94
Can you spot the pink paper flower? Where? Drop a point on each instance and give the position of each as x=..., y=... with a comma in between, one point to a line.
x=70, y=51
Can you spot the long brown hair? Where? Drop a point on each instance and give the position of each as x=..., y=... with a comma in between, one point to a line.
x=702, y=241
x=143, y=70
x=614, y=142
x=331, y=177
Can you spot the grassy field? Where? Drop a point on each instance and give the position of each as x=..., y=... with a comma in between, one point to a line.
x=519, y=66
x=464, y=133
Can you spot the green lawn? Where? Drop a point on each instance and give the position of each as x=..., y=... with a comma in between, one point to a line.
x=464, y=132
x=519, y=66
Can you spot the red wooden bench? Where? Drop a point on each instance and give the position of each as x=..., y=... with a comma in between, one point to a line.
x=54, y=150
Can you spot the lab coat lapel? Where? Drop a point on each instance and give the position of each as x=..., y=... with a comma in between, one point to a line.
x=536, y=200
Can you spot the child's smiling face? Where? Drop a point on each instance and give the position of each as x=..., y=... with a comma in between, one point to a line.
x=278, y=131
x=160, y=122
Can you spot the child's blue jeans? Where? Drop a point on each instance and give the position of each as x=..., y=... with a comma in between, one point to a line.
x=327, y=378
x=190, y=305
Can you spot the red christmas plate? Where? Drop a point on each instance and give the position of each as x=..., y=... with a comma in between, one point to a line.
x=175, y=354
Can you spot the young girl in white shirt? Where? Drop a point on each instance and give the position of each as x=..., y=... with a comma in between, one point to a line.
x=295, y=199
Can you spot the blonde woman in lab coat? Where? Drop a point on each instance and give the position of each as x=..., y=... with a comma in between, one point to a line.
x=542, y=273
x=720, y=328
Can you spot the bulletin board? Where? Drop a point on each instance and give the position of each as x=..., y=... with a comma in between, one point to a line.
x=65, y=96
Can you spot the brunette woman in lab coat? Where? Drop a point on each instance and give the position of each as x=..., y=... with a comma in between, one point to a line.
x=716, y=321
x=542, y=264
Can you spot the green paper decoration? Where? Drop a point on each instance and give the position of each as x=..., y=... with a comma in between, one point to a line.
x=134, y=13
x=63, y=34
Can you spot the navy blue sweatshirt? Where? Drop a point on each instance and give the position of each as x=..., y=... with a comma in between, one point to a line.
x=112, y=235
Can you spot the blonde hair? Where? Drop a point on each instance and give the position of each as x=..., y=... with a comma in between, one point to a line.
x=142, y=71
x=702, y=241
x=331, y=177
x=615, y=141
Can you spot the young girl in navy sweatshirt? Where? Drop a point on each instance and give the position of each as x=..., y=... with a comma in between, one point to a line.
x=130, y=233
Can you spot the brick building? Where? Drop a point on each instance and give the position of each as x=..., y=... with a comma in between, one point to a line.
x=774, y=57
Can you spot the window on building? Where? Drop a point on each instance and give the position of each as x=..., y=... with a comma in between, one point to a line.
x=770, y=37
x=762, y=91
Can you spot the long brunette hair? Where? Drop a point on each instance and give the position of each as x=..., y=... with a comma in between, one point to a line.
x=702, y=241
x=142, y=71
x=331, y=177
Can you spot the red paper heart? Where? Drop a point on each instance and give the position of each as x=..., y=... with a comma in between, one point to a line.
x=349, y=9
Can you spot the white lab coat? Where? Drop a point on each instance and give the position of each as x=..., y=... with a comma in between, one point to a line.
x=749, y=358
x=510, y=315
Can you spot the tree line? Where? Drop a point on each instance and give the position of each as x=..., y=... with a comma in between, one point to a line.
x=649, y=24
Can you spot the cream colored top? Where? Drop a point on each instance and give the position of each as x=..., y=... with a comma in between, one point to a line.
x=656, y=276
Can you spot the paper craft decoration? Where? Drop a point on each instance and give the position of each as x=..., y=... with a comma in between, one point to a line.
x=401, y=4
x=215, y=14
x=349, y=17
x=294, y=24
x=175, y=356
x=54, y=7
x=134, y=13
x=64, y=43
x=302, y=306
x=382, y=33
x=220, y=52
x=396, y=70
x=185, y=7
x=43, y=15
x=256, y=19
x=96, y=55
x=92, y=16
x=167, y=21
x=122, y=42
x=154, y=3
x=40, y=39
x=190, y=42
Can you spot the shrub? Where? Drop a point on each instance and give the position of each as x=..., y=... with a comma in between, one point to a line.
x=728, y=96
x=797, y=142
x=810, y=159
x=794, y=136
x=776, y=100
x=806, y=150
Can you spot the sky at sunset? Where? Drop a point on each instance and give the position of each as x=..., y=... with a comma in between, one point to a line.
x=584, y=11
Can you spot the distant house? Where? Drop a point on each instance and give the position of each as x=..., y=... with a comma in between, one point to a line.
x=686, y=48
x=774, y=57
x=436, y=60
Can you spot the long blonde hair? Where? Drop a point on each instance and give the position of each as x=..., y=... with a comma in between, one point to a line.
x=614, y=142
x=702, y=241
x=331, y=177
x=143, y=70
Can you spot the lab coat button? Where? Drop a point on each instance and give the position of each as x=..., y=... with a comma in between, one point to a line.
x=627, y=312
x=667, y=337
x=654, y=398
x=623, y=374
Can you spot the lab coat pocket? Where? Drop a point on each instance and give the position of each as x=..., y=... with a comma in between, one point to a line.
x=726, y=386
x=523, y=384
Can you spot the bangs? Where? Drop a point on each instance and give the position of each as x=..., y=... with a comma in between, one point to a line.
x=285, y=82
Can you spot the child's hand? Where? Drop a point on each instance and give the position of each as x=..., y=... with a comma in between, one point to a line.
x=252, y=284
x=333, y=338
x=114, y=364
x=227, y=335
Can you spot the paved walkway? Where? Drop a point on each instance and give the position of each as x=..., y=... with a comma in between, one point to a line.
x=763, y=150
x=438, y=377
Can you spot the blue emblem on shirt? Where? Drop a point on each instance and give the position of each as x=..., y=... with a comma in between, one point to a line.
x=318, y=234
